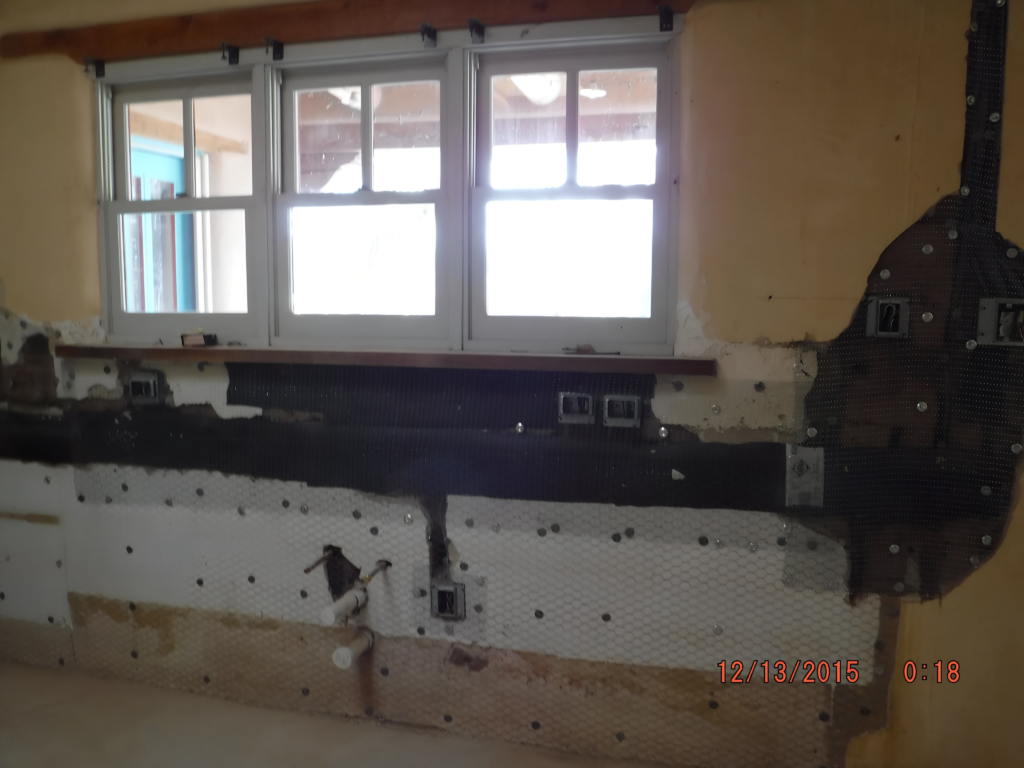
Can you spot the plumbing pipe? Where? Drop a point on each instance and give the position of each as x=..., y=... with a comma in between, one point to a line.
x=344, y=655
x=344, y=606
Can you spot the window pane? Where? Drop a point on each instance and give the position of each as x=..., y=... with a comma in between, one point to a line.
x=329, y=141
x=617, y=126
x=156, y=146
x=184, y=262
x=223, y=126
x=528, y=131
x=569, y=258
x=407, y=136
x=363, y=260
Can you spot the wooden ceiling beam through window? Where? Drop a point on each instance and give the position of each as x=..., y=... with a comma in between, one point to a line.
x=306, y=23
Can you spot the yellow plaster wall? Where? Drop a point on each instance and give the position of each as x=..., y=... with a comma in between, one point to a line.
x=814, y=133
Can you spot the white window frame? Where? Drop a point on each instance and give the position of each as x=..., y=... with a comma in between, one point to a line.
x=439, y=331
x=166, y=328
x=554, y=334
x=457, y=323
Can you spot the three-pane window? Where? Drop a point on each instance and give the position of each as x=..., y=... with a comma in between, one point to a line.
x=515, y=201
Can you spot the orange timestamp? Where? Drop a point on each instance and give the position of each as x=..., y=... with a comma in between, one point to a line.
x=952, y=674
x=838, y=671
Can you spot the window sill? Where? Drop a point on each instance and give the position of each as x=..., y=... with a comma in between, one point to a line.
x=679, y=366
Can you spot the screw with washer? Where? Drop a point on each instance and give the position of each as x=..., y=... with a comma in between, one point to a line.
x=986, y=491
x=1016, y=447
x=894, y=548
x=965, y=191
x=927, y=317
x=1011, y=253
x=885, y=274
x=663, y=433
x=970, y=101
x=986, y=540
x=927, y=248
x=994, y=117
x=922, y=406
x=971, y=344
x=408, y=518
x=812, y=432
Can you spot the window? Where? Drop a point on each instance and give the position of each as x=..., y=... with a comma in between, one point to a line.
x=179, y=229
x=504, y=196
x=569, y=209
x=360, y=254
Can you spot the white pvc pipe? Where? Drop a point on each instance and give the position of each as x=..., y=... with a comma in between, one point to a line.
x=344, y=606
x=344, y=655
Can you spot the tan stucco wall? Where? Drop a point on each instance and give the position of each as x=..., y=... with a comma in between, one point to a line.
x=815, y=131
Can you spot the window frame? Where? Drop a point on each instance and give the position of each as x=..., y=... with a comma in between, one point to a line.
x=260, y=326
x=165, y=327
x=439, y=331
x=652, y=335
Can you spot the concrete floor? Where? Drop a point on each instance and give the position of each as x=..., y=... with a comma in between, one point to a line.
x=52, y=718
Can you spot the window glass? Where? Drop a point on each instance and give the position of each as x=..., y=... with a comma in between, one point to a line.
x=528, y=131
x=329, y=139
x=569, y=258
x=223, y=143
x=183, y=262
x=156, y=145
x=617, y=126
x=363, y=260
x=407, y=136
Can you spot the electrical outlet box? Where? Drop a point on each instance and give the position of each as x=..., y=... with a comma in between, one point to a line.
x=888, y=317
x=144, y=387
x=1001, y=322
x=575, y=408
x=448, y=601
x=621, y=411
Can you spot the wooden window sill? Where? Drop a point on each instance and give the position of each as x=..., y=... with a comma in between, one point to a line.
x=679, y=366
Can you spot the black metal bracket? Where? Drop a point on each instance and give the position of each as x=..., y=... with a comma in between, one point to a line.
x=476, y=30
x=665, y=18
x=99, y=67
x=276, y=45
x=429, y=36
x=229, y=52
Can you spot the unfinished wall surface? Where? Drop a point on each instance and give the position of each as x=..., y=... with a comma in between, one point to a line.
x=814, y=135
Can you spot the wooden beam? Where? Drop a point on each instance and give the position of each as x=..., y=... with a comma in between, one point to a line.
x=679, y=366
x=306, y=23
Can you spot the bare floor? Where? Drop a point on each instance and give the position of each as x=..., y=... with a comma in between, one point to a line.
x=52, y=718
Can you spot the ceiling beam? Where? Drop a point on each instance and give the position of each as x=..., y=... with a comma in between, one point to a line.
x=306, y=23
